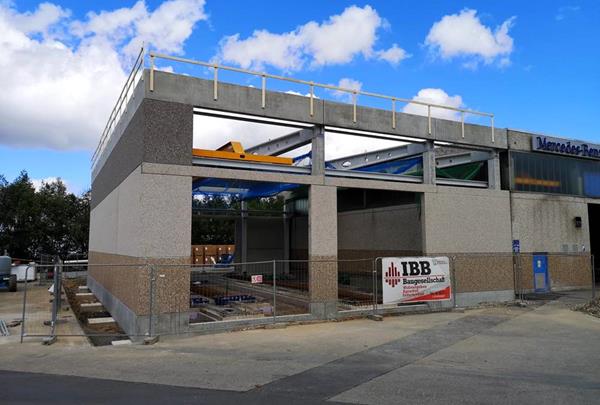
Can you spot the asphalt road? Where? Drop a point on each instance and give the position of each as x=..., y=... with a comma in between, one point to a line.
x=541, y=354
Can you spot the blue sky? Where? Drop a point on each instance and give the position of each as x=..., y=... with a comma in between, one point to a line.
x=536, y=68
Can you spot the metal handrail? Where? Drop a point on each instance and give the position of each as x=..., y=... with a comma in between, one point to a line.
x=121, y=100
x=312, y=85
x=264, y=76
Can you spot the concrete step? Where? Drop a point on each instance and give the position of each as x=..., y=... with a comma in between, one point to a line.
x=91, y=306
x=99, y=321
x=84, y=294
x=83, y=288
x=121, y=342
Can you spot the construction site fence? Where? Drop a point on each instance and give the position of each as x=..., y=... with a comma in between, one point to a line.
x=73, y=299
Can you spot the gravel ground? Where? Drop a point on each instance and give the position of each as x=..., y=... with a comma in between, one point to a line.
x=592, y=307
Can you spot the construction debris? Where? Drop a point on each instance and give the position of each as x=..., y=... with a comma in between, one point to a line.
x=592, y=307
x=3, y=329
x=96, y=321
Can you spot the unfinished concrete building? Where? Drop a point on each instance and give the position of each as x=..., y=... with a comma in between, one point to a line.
x=538, y=194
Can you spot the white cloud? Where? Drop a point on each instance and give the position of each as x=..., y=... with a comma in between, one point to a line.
x=394, y=55
x=297, y=93
x=212, y=132
x=39, y=21
x=435, y=96
x=335, y=41
x=61, y=77
x=166, y=28
x=38, y=183
x=464, y=36
x=565, y=11
x=346, y=83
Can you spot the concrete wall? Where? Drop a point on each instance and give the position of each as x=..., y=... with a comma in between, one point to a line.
x=546, y=223
x=388, y=231
x=158, y=132
x=264, y=239
x=145, y=220
x=463, y=220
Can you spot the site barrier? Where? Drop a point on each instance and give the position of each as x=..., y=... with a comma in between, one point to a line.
x=156, y=299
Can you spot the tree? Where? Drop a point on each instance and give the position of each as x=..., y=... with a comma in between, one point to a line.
x=49, y=221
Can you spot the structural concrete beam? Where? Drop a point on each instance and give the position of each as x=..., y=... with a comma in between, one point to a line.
x=429, y=163
x=318, y=151
x=493, y=165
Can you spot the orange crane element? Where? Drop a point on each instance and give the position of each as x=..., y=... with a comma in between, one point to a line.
x=233, y=150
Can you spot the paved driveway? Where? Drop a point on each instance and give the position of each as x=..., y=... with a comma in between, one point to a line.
x=541, y=354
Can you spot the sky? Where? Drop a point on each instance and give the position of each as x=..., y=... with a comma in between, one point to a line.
x=535, y=64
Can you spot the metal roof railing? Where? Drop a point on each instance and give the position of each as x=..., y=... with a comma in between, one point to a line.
x=115, y=115
x=120, y=105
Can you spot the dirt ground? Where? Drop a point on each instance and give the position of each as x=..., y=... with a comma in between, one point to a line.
x=99, y=335
x=38, y=311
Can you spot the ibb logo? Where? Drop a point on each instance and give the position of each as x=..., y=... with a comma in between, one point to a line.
x=410, y=268
x=422, y=268
x=392, y=276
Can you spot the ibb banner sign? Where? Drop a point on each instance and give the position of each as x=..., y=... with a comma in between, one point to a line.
x=565, y=147
x=415, y=279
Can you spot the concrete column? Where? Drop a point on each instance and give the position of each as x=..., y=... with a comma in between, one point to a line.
x=244, y=232
x=494, y=171
x=429, y=163
x=318, y=151
x=286, y=239
x=322, y=250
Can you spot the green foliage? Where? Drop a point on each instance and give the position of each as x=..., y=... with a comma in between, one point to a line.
x=221, y=231
x=50, y=221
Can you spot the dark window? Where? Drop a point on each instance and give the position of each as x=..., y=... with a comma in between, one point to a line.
x=555, y=174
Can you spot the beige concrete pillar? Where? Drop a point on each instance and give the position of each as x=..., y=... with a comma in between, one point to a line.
x=494, y=171
x=429, y=164
x=322, y=250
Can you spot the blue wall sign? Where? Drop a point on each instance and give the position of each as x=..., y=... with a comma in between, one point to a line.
x=516, y=246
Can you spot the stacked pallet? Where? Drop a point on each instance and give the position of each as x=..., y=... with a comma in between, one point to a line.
x=210, y=254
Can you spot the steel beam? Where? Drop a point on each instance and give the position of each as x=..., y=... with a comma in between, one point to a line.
x=372, y=176
x=462, y=158
x=240, y=164
x=378, y=156
x=283, y=144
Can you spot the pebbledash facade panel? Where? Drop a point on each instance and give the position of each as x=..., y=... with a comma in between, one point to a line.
x=497, y=191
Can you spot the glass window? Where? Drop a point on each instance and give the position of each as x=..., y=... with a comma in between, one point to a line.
x=555, y=174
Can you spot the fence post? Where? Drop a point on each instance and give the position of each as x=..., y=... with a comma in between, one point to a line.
x=593, y=279
x=274, y=289
x=374, y=270
x=376, y=284
x=56, y=300
x=453, y=280
x=151, y=298
x=520, y=277
x=24, y=302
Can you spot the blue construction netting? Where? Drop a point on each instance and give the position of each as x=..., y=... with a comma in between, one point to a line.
x=399, y=166
x=247, y=190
